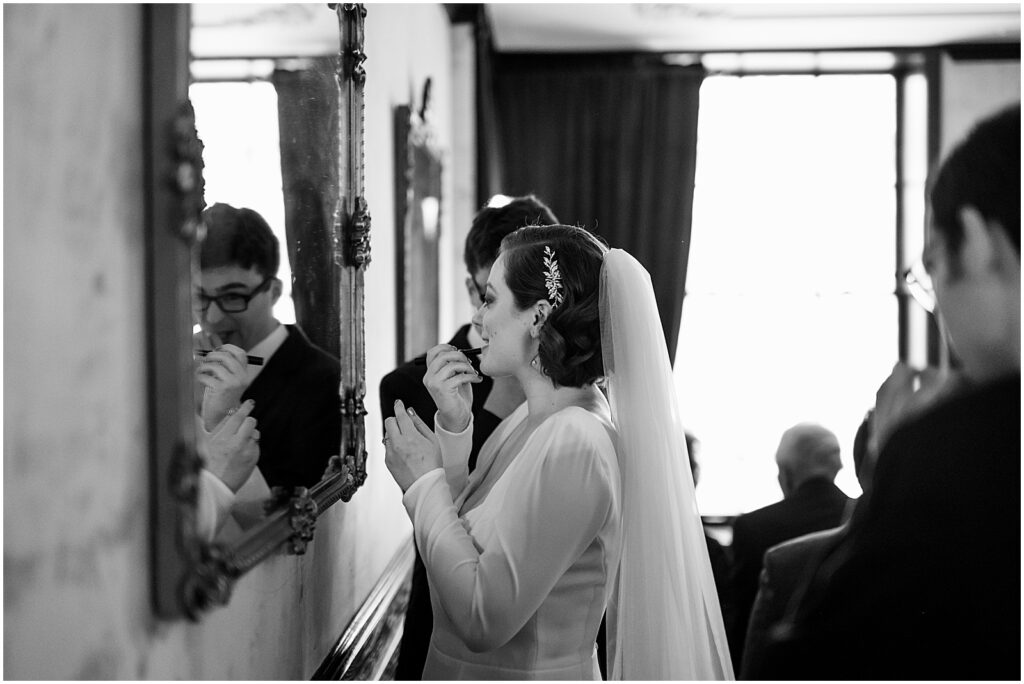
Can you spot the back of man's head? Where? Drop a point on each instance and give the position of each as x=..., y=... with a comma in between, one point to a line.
x=492, y=224
x=863, y=461
x=806, y=451
x=238, y=237
x=983, y=172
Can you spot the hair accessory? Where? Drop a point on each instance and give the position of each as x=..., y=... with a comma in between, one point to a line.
x=552, y=278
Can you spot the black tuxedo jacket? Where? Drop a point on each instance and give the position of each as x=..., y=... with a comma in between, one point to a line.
x=406, y=383
x=926, y=583
x=786, y=567
x=297, y=411
x=721, y=567
x=816, y=505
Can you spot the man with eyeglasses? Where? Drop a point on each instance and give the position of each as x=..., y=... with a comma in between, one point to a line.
x=925, y=583
x=295, y=391
x=493, y=398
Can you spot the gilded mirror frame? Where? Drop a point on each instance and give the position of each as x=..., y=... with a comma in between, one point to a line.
x=191, y=576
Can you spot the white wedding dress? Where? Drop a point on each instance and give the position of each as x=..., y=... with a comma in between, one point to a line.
x=596, y=511
x=520, y=581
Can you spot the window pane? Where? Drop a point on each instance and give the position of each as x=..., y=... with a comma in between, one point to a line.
x=790, y=314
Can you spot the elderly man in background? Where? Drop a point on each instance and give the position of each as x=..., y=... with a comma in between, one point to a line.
x=808, y=461
x=788, y=564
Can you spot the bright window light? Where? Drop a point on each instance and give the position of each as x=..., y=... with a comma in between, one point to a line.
x=237, y=122
x=790, y=314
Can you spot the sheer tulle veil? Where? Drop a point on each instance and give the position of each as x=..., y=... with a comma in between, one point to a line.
x=664, y=621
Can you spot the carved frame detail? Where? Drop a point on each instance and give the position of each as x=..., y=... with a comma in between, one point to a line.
x=191, y=576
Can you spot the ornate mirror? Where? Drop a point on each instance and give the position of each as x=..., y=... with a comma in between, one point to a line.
x=255, y=106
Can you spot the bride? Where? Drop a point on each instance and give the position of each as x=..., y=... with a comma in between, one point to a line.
x=581, y=501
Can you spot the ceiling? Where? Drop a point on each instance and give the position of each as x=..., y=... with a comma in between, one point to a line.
x=709, y=27
x=297, y=29
x=225, y=30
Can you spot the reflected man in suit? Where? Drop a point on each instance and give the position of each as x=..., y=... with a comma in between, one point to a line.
x=295, y=391
x=808, y=461
x=493, y=398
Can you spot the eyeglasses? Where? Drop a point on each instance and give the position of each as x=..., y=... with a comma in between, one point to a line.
x=919, y=284
x=232, y=302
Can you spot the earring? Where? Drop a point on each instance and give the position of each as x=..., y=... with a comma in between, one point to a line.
x=535, y=362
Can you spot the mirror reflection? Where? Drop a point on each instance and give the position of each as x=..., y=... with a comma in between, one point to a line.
x=265, y=333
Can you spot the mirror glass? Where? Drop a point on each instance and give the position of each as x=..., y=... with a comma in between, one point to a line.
x=265, y=97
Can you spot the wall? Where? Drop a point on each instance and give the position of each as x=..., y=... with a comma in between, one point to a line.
x=399, y=60
x=973, y=89
x=76, y=536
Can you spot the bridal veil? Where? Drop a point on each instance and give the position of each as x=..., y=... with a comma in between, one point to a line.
x=664, y=621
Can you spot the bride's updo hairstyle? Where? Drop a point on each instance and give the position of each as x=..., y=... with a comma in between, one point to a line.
x=570, y=341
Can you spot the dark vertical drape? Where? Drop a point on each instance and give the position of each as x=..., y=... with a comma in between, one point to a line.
x=609, y=142
x=489, y=176
x=307, y=105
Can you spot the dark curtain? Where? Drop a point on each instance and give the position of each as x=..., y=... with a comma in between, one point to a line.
x=609, y=142
x=307, y=106
x=489, y=181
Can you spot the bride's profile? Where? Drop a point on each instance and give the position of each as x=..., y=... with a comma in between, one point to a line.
x=582, y=501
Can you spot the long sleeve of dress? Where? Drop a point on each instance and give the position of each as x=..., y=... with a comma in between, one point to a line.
x=213, y=505
x=562, y=489
x=455, y=450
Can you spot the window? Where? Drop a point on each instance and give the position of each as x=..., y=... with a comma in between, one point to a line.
x=790, y=313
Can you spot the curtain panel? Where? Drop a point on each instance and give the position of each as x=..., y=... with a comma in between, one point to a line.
x=609, y=142
x=307, y=106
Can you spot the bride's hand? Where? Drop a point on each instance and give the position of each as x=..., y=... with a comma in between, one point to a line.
x=411, y=449
x=449, y=378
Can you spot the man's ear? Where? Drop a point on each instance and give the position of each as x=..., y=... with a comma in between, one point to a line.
x=276, y=288
x=471, y=289
x=986, y=244
x=541, y=311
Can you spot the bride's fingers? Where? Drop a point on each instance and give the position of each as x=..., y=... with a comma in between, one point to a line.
x=437, y=350
x=391, y=429
x=234, y=418
x=457, y=382
x=439, y=360
x=404, y=420
x=452, y=369
x=418, y=423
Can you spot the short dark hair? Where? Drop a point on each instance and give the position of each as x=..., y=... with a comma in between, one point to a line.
x=570, y=341
x=492, y=224
x=861, y=440
x=238, y=237
x=983, y=171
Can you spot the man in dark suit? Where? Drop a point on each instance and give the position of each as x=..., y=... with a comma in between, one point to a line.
x=297, y=405
x=493, y=398
x=926, y=582
x=787, y=564
x=808, y=461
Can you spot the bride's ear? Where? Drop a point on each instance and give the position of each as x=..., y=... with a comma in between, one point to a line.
x=541, y=311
